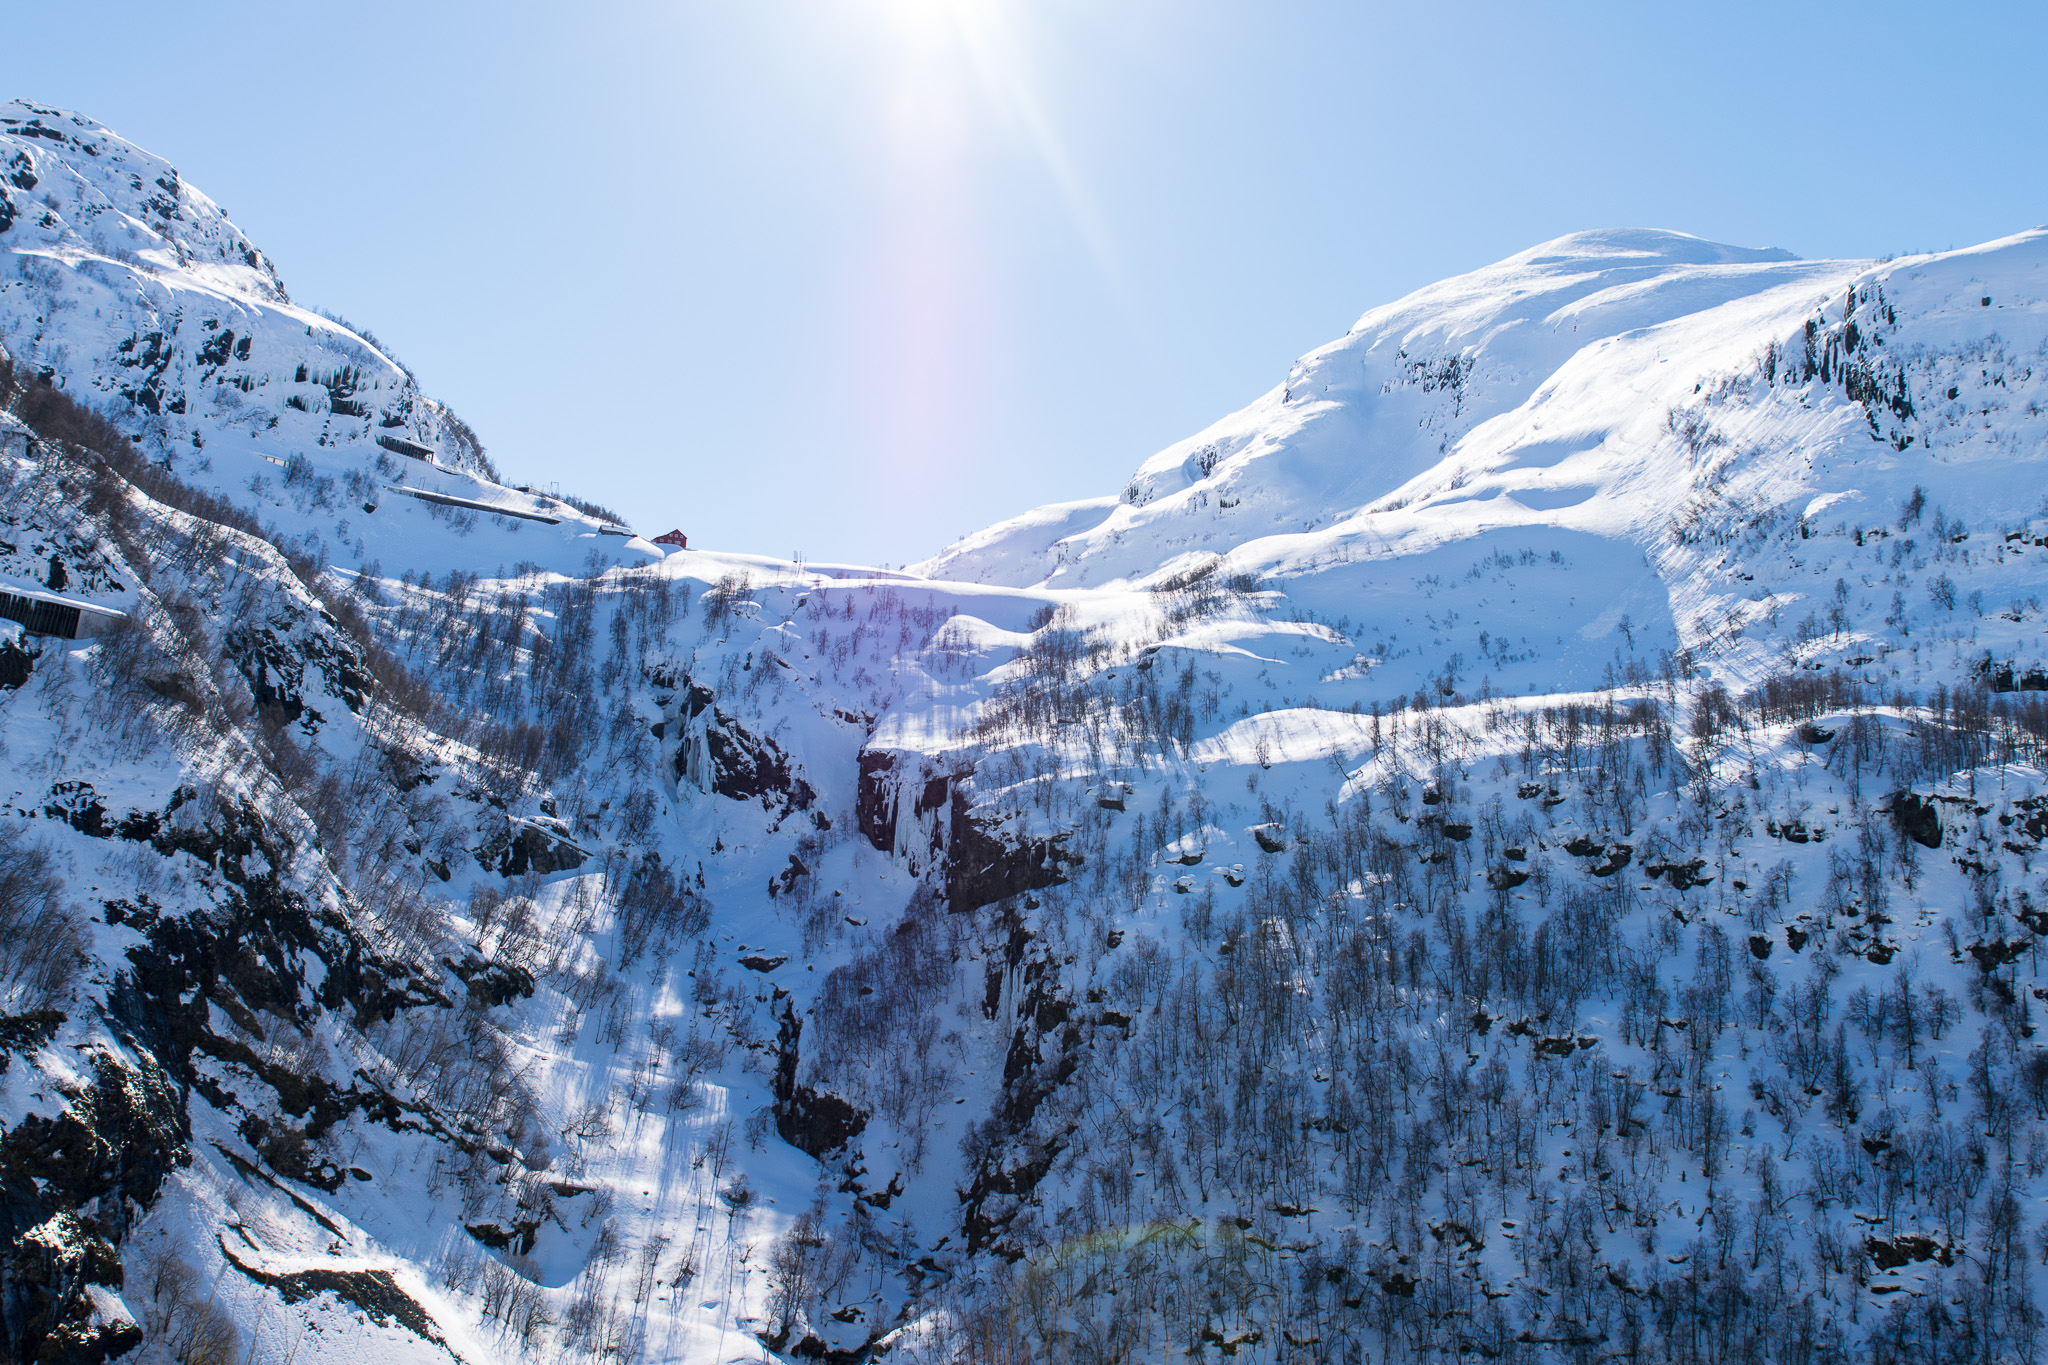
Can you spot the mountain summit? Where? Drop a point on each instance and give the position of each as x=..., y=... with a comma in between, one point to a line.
x=1537, y=384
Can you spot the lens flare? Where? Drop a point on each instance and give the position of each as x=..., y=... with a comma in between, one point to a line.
x=959, y=88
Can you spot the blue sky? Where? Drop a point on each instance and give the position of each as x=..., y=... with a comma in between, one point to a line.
x=855, y=277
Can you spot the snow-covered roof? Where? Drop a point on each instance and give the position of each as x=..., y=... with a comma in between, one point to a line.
x=14, y=588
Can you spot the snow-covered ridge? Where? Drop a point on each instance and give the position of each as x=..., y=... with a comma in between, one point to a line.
x=1534, y=391
x=132, y=287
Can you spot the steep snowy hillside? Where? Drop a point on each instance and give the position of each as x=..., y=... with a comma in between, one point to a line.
x=127, y=284
x=1517, y=845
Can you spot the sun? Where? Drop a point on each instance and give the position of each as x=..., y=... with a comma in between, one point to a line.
x=965, y=63
x=922, y=12
x=930, y=21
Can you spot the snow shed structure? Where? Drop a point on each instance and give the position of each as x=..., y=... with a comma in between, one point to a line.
x=471, y=504
x=401, y=446
x=45, y=613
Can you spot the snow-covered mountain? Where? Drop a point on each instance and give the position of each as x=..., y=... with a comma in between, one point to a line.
x=1516, y=844
x=1535, y=385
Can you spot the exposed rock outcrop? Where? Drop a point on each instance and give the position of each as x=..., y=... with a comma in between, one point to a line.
x=715, y=753
x=517, y=846
x=922, y=816
x=808, y=1119
x=1917, y=819
x=110, y=1150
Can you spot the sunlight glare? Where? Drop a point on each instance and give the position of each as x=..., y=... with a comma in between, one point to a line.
x=926, y=16
x=951, y=44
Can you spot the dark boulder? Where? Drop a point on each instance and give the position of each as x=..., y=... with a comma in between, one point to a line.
x=1917, y=819
x=541, y=848
x=491, y=983
x=16, y=664
x=1681, y=875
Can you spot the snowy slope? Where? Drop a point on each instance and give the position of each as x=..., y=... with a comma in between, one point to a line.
x=1519, y=843
x=1533, y=387
x=130, y=284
